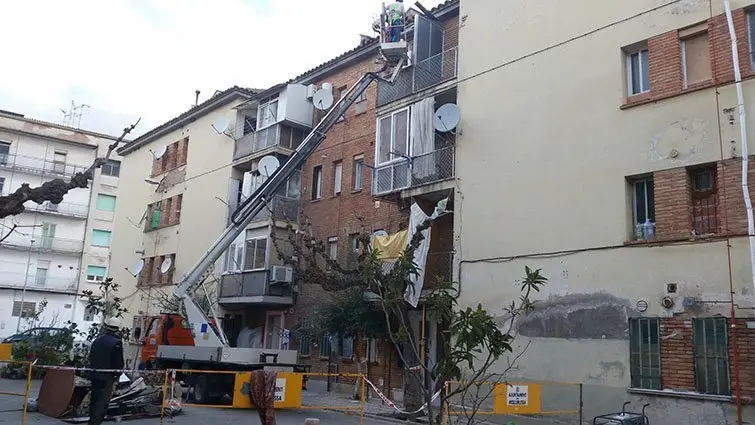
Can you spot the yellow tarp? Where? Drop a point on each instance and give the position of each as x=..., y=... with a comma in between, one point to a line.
x=391, y=246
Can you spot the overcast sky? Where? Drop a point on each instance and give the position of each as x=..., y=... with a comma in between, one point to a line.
x=147, y=57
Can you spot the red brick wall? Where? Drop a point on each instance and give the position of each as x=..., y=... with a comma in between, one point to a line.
x=673, y=208
x=665, y=61
x=677, y=356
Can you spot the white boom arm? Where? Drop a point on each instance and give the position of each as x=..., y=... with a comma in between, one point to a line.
x=205, y=334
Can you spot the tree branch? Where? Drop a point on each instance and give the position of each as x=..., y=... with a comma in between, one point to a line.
x=53, y=191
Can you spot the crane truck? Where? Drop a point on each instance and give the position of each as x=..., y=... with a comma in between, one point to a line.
x=197, y=341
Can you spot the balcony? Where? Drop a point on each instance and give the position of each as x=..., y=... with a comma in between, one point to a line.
x=39, y=166
x=278, y=135
x=45, y=244
x=65, y=285
x=419, y=77
x=254, y=287
x=280, y=208
x=439, y=267
x=420, y=170
x=63, y=208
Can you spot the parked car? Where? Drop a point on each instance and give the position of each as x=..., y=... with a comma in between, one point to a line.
x=35, y=336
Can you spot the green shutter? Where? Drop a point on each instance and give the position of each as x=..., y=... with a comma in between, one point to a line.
x=156, y=217
x=105, y=202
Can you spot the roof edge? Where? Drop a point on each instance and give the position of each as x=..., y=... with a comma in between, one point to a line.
x=199, y=110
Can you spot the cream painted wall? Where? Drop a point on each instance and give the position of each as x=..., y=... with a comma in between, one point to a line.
x=203, y=217
x=542, y=155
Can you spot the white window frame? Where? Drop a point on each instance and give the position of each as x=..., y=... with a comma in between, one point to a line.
x=42, y=265
x=333, y=248
x=267, y=248
x=96, y=279
x=358, y=173
x=337, y=177
x=391, y=115
x=644, y=85
x=233, y=253
x=317, y=194
x=265, y=107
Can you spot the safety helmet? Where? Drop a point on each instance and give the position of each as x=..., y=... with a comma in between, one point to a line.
x=113, y=323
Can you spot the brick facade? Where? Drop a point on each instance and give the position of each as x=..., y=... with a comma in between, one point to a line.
x=665, y=59
x=677, y=356
x=673, y=201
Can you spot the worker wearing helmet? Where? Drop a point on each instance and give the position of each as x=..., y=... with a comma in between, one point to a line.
x=395, y=13
x=106, y=353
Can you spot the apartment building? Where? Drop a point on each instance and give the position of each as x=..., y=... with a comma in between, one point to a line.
x=175, y=203
x=57, y=250
x=601, y=142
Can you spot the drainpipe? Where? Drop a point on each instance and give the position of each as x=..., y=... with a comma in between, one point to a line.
x=745, y=194
x=743, y=130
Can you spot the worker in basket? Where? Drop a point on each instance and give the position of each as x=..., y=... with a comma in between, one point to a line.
x=395, y=16
x=106, y=360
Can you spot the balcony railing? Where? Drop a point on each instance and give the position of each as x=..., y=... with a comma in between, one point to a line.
x=282, y=208
x=439, y=267
x=252, y=284
x=38, y=281
x=281, y=135
x=46, y=244
x=431, y=167
x=63, y=208
x=421, y=76
x=42, y=166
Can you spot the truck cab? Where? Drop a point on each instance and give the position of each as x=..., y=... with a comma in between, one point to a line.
x=163, y=329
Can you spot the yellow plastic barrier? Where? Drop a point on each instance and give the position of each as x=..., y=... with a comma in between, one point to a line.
x=287, y=390
x=5, y=352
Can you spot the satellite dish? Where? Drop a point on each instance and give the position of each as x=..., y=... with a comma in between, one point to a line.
x=267, y=165
x=323, y=99
x=447, y=117
x=160, y=151
x=221, y=125
x=166, y=265
x=138, y=267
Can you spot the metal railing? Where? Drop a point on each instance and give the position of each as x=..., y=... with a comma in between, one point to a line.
x=46, y=244
x=281, y=135
x=439, y=267
x=36, y=165
x=63, y=208
x=243, y=146
x=36, y=281
x=422, y=169
x=282, y=208
x=252, y=284
x=422, y=75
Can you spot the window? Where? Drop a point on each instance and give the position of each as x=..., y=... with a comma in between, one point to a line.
x=27, y=310
x=43, y=266
x=393, y=136
x=59, y=162
x=361, y=105
x=325, y=345
x=105, y=202
x=645, y=353
x=371, y=349
x=341, y=92
x=290, y=137
x=293, y=186
x=256, y=249
x=4, y=152
x=358, y=172
x=2, y=185
x=101, y=238
x=333, y=248
x=305, y=337
x=268, y=113
x=337, y=174
x=353, y=255
x=348, y=347
x=704, y=200
x=48, y=234
x=750, y=31
x=317, y=182
x=234, y=258
x=111, y=168
x=711, y=350
x=89, y=313
x=95, y=273
x=638, y=73
x=696, y=59
x=643, y=202
x=250, y=125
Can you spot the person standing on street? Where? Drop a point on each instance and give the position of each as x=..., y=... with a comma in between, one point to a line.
x=106, y=352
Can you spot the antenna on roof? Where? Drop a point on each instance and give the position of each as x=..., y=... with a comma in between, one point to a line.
x=72, y=117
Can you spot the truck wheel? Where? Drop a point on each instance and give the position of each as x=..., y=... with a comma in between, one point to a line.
x=201, y=390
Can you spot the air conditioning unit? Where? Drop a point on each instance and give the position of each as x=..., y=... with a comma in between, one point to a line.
x=282, y=274
x=311, y=89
